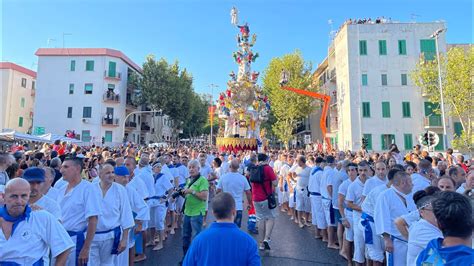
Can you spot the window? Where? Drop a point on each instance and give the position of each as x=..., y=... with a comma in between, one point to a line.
x=69, y=112
x=110, y=87
x=440, y=146
x=384, y=80
x=387, y=140
x=73, y=65
x=22, y=102
x=108, y=136
x=71, y=88
x=406, y=109
x=434, y=119
x=20, y=121
x=428, y=49
x=86, y=135
x=404, y=80
x=365, y=81
x=385, y=109
x=90, y=65
x=365, y=109
x=23, y=82
x=33, y=85
x=382, y=47
x=363, y=47
x=87, y=112
x=408, y=140
x=402, y=47
x=458, y=129
x=88, y=88
x=368, y=137
x=112, y=66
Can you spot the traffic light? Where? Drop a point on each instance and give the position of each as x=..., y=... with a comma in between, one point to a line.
x=426, y=139
x=431, y=140
x=365, y=142
x=103, y=140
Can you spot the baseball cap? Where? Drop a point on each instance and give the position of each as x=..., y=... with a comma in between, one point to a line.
x=121, y=171
x=33, y=174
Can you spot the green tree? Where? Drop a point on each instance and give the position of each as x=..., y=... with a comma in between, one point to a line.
x=457, y=79
x=286, y=106
x=194, y=126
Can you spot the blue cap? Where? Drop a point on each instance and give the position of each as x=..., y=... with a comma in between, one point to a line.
x=121, y=170
x=33, y=174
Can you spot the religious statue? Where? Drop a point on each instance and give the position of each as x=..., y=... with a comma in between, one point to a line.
x=234, y=16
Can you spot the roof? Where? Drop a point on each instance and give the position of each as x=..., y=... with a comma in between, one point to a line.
x=87, y=52
x=13, y=66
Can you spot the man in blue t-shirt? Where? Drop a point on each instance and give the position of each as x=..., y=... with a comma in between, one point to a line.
x=453, y=212
x=223, y=243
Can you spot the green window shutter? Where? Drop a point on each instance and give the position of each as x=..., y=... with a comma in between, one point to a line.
x=382, y=142
x=363, y=47
x=73, y=65
x=365, y=109
x=433, y=118
x=71, y=88
x=404, y=79
x=440, y=146
x=88, y=87
x=382, y=47
x=112, y=66
x=369, y=141
x=406, y=109
x=86, y=135
x=428, y=48
x=365, y=80
x=69, y=112
x=87, y=112
x=22, y=102
x=20, y=121
x=458, y=129
x=90, y=65
x=384, y=80
x=385, y=109
x=408, y=140
x=108, y=136
x=402, y=47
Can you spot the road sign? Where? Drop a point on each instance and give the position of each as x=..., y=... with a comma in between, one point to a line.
x=307, y=139
x=39, y=131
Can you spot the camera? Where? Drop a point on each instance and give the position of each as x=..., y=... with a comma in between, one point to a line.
x=177, y=193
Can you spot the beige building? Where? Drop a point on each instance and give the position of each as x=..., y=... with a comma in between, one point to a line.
x=17, y=97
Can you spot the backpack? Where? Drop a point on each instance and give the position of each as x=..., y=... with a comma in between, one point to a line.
x=256, y=173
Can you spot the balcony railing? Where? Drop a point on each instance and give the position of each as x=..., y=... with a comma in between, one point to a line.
x=110, y=121
x=145, y=127
x=131, y=124
x=432, y=121
x=111, y=97
x=114, y=76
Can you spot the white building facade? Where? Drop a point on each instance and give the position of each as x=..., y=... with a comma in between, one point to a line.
x=367, y=74
x=17, y=97
x=86, y=90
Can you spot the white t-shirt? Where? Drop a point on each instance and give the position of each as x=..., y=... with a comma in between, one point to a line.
x=53, y=193
x=205, y=171
x=419, y=234
x=354, y=192
x=235, y=184
x=302, y=177
x=368, y=206
x=50, y=206
x=372, y=183
x=419, y=182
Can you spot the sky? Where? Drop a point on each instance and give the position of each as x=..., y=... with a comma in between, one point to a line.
x=199, y=35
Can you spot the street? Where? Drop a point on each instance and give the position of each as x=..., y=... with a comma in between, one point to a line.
x=290, y=246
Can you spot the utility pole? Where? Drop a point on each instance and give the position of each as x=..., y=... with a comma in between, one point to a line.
x=211, y=101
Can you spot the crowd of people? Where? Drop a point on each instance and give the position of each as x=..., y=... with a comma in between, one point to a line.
x=69, y=205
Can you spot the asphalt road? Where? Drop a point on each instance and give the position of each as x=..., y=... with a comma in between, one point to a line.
x=290, y=246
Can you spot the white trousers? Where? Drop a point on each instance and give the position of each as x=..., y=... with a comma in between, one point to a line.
x=122, y=258
x=359, y=242
x=399, y=255
x=282, y=196
x=292, y=199
x=327, y=211
x=157, y=216
x=100, y=253
x=349, y=232
x=375, y=251
x=317, y=212
x=303, y=203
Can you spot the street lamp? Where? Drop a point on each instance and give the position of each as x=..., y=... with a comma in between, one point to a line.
x=435, y=36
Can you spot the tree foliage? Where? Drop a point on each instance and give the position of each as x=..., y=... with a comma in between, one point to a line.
x=286, y=106
x=457, y=76
x=167, y=87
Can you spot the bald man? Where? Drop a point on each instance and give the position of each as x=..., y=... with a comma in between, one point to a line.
x=27, y=236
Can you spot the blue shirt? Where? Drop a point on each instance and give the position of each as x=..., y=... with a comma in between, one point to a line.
x=435, y=254
x=222, y=244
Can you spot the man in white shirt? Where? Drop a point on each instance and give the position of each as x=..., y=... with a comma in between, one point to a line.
x=391, y=204
x=354, y=201
x=469, y=184
x=329, y=175
x=283, y=194
x=236, y=184
x=115, y=221
x=46, y=188
x=80, y=209
x=423, y=178
x=303, y=205
x=26, y=235
x=317, y=212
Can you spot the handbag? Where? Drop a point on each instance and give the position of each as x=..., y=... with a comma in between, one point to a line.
x=271, y=199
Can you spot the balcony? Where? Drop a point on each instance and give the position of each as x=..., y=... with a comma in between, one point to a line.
x=433, y=121
x=112, y=76
x=131, y=105
x=106, y=121
x=145, y=127
x=111, y=97
x=332, y=75
x=132, y=125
